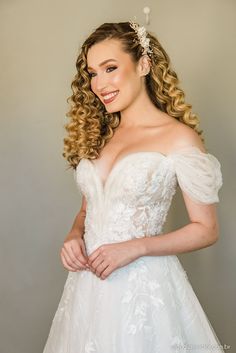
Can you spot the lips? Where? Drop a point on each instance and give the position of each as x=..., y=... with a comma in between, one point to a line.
x=106, y=93
x=110, y=96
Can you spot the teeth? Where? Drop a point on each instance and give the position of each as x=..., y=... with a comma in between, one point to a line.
x=110, y=95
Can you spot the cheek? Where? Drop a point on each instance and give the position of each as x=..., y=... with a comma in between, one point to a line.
x=123, y=78
x=119, y=79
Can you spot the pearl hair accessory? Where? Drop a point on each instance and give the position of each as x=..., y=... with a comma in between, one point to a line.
x=142, y=36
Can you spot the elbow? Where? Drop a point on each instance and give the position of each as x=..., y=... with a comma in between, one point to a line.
x=213, y=240
x=213, y=234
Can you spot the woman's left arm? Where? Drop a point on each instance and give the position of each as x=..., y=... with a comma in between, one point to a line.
x=201, y=232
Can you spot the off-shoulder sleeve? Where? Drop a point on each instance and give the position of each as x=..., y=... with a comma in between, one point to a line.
x=198, y=174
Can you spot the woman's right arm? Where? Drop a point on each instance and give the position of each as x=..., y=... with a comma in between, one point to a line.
x=78, y=225
x=73, y=253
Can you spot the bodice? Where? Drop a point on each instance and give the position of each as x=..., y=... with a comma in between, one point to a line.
x=136, y=196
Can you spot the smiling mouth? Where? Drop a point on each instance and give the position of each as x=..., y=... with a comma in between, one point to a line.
x=110, y=97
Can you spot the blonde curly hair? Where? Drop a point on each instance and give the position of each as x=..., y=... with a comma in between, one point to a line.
x=90, y=126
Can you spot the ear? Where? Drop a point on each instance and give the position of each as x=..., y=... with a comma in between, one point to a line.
x=144, y=65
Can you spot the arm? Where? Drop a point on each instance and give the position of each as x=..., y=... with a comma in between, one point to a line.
x=73, y=253
x=78, y=225
x=203, y=229
x=202, y=232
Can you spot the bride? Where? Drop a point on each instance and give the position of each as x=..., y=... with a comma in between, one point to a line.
x=132, y=140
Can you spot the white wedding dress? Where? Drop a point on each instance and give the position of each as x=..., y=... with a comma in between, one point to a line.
x=149, y=305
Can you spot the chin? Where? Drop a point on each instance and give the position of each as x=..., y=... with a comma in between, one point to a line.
x=112, y=110
x=116, y=108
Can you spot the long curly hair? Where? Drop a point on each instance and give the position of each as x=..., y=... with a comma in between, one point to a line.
x=91, y=126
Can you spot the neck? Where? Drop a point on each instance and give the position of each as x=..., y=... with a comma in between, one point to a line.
x=140, y=113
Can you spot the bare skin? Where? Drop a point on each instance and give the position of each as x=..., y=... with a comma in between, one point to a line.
x=143, y=127
x=132, y=139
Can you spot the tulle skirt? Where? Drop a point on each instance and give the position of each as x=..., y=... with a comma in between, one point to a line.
x=148, y=306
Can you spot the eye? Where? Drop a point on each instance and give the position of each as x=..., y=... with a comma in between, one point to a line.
x=108, y=68
x=112, y=67
x=90, y=74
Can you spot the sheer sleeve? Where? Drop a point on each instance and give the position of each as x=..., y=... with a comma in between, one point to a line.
x=198, y=174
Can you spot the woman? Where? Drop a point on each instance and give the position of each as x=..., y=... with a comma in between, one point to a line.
x=131, y=141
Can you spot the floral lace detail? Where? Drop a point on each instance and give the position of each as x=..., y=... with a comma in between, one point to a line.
x=90, y=347
x=137, y=205
x=145, y=300
x=63, y=309
x=140, y=298
x=138, y=192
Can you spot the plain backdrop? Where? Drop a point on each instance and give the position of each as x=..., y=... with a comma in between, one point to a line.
x=40, y=41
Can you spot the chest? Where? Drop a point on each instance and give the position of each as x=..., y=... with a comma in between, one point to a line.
x=122, y=146
x=139, y=178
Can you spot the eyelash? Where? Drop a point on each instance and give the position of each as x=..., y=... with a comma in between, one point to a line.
x=110, y=67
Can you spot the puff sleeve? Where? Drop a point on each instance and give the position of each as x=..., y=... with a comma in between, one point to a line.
x=198, y=174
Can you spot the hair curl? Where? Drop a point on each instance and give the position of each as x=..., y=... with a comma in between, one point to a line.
x=90, y=126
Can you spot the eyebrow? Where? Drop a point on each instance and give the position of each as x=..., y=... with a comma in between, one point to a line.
x=102, y=63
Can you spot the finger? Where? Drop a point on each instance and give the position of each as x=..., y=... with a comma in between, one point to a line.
x=97, y=262
x=80, y=252
x=65, y=263
x=101, y=268
x=74, y=261
x=76, y=255
x=70, y=262
x=67, y=259
x=94, y=255
x=106, y=272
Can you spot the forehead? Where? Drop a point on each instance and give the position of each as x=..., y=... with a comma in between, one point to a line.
x=107, y=49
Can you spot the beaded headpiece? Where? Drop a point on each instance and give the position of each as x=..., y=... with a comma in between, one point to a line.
x=142, y=37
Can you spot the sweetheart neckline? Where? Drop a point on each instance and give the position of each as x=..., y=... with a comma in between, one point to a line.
x=119, y=161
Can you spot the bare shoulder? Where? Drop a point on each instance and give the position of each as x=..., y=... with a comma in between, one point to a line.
x=182, y=135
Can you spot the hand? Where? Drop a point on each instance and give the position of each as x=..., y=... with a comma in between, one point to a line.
x=73, y=253
x=108, y=257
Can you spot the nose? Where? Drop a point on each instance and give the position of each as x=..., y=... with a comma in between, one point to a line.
x=100, y=83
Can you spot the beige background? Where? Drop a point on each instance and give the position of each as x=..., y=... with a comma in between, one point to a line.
x=39, y=199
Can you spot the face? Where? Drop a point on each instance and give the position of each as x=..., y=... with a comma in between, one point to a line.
x=115, y=78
